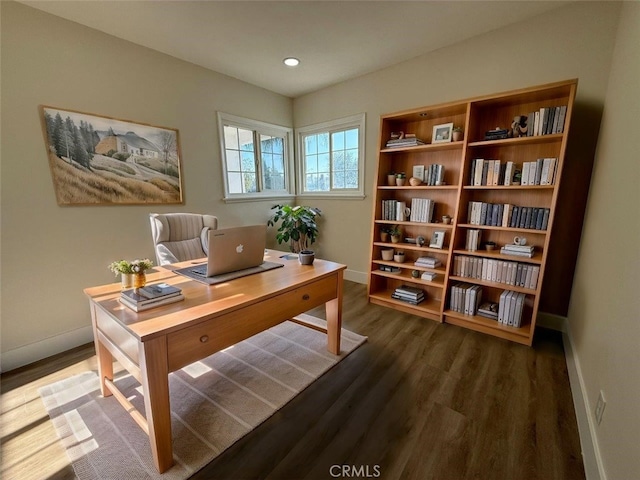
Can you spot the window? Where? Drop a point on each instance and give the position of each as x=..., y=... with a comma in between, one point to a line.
x=331, y=158
x=256, y=158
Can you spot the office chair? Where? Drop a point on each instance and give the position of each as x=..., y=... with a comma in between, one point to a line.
x=180, y=236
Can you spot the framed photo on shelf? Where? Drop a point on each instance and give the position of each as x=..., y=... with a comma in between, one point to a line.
x=418, y=172
x=437, y=239
x=442, y=133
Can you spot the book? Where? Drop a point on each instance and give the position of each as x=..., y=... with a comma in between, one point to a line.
x=489, y=310
x=153, y=304
x=150, y=294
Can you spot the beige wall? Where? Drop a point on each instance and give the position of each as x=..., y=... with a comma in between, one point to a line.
x=49, y=253
x=604, y=316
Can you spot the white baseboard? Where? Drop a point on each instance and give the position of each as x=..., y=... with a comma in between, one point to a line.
x=355, y=276
x=45, y=348
x=551, y=321
x=593, y=467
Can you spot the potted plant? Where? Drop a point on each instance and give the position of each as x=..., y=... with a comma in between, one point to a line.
x=384, y=234
x=400, y=178
x=398, y=257
x=396, y=234
x=391, y=178
x=456, y=134
x=132, y=272
x=298, y=226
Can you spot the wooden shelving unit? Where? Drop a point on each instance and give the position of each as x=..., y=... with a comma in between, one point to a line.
x=475, y=116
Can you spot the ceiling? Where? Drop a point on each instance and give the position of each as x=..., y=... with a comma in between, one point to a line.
x=334, y=40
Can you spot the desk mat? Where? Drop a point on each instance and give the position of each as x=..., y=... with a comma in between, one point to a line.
x=264, y=267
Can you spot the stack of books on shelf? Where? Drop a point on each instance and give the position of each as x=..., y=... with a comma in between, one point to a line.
x=421, y=210
x=540, y=172
x=465, y=298
x=430, y=276
x=510, y=308
x=429, y=262
x=151, y=296
x=494, y=270
x=473, y=239
x=518, y=250
x=434, y=175
x=546, y=121
x=488, y=310
x=406, y=293
x=403, y=140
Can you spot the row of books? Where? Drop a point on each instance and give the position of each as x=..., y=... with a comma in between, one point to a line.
x=507, y=215
x=403, y=140
x=393, y=210
x=547, y=120
x=486, y=172
x=422, y=210
x=540, y=172
x=150, y=296
x=433, y=175
x=510, y=308
x=409, y=294
x=473, y=239
x=495, y=270
x=465, y=298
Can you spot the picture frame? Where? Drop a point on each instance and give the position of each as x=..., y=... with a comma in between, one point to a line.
x=418, y=172
x=437, y=239
x=442, y=133
x=99, y=160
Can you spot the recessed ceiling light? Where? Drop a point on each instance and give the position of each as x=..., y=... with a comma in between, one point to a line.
x=291, y=62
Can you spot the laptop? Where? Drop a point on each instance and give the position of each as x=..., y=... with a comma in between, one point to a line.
x=233, y=252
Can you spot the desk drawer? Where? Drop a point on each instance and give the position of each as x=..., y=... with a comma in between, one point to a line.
x=202, y=340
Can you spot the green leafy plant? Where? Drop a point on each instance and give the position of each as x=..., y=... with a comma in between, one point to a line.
x=401, y=175
x=126, y=267
x=298, y=225
x=457, y=129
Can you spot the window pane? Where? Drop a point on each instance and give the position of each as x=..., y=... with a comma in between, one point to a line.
x=248, y=162
x=352, y=138
x=266, y=143
x=278, y=145
x=323, y=142
x=249, y=182
x=278, y=164
x=231, y=137
x=351, y=159
x=235, y=182
x=233, y=161
x=245, y=137
x=338, y=180
x=351, y=179
x=338, y=141
x=311, y=164
x=311, y=144
x=323, y=163
x=338, y=160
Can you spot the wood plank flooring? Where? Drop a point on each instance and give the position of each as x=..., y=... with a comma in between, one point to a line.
x=419, y=400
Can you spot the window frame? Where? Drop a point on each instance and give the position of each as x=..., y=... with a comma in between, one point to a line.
x=258, y=128
x=332, y=126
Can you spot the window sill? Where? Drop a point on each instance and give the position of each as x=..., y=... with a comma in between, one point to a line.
x=258, y=198
x=333, y=196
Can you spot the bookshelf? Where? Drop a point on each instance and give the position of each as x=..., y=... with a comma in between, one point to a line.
x=463, y=190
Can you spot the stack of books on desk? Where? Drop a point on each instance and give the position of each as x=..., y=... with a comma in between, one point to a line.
x=518, y=250
x=150, y=296
x=408, y=294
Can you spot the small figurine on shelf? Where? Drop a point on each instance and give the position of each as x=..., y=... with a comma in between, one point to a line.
x=519, y=126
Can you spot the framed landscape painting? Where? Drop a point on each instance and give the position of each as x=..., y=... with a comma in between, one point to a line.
x=99, y=160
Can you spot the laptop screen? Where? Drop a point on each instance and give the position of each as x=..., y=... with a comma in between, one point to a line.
x=238, y=248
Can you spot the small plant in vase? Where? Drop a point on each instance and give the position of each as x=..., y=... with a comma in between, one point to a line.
x=298, y=227
x=391, y=179
x=396, y=234
x=132, y=272
x=401, y=178
x=457, y=134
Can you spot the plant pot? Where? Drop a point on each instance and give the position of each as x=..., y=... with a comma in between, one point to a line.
x=395, y=238
x=387, y=254
x=398, y=258
x=457, y=136
x=306, y=257
x=489, y=246
x=126, y=280
x=400, y=181
x=446, y=219
x=384, y=236
x=391, y=180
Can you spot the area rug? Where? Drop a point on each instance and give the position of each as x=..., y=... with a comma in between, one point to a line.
x=214, y=403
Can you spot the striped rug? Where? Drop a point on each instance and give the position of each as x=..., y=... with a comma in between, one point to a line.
x=214, y=403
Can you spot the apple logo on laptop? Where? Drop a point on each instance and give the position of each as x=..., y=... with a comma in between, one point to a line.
x=239, y=248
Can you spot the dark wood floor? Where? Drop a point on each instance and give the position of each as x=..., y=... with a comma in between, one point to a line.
x=419, y=400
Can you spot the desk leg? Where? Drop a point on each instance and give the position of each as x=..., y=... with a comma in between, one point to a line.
x=103, y=356
x=334, y=318
x=154, y=370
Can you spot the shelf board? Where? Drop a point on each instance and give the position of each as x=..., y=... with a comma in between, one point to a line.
x=406, y=276
x=411, y=266
x=418, y=187
x=429, y=308
x=487, y=283
x=537, y=256
x=555, y=137
x=418, y=224
x=412, y=246
x=432, y=147
x=478, y=323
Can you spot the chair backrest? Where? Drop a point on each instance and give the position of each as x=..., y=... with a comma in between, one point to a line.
x=180, y=236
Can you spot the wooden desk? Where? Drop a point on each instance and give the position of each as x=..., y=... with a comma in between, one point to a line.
x=153, y=343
